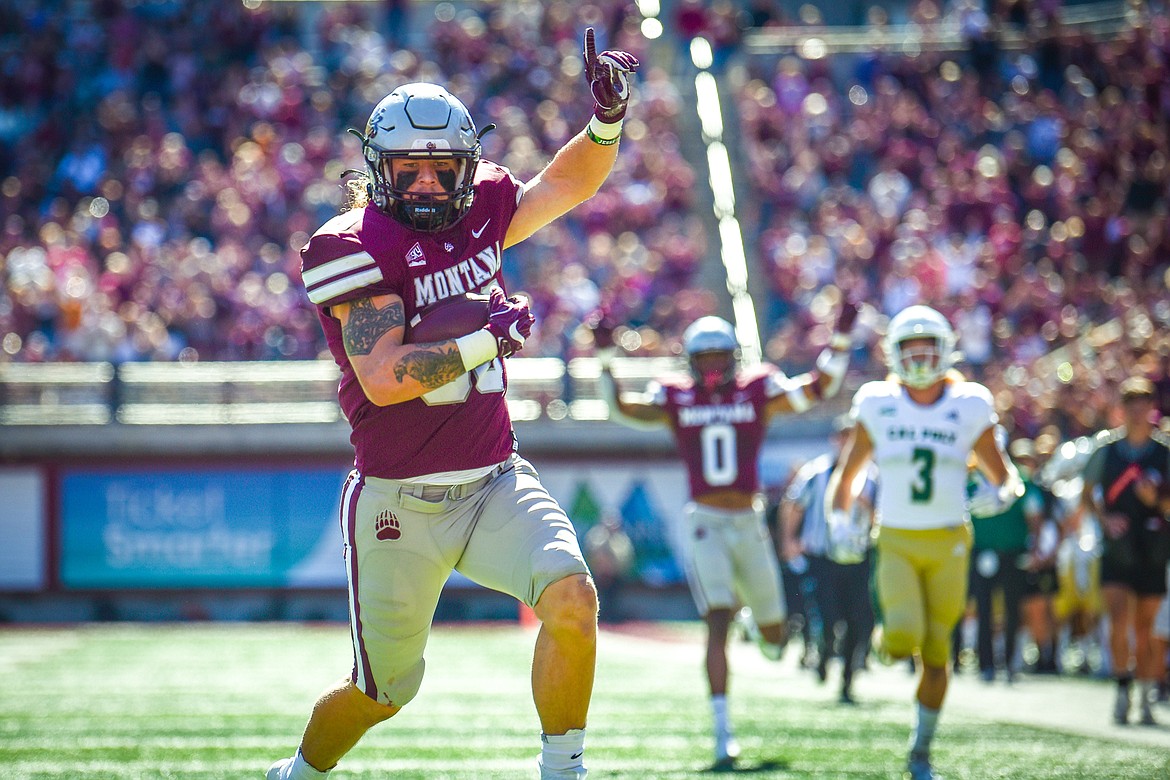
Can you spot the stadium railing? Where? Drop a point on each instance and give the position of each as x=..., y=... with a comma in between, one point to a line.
x=1103, y=19
x=260, y=392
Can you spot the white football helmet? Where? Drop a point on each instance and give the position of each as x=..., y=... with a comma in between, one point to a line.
x=421, y=120
x=920, y=366
x=711, y=336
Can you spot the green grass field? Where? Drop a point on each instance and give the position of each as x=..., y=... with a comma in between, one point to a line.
x=142, y=702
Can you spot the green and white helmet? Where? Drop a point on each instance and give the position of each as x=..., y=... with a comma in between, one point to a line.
x=920, y=366
x=421, y=120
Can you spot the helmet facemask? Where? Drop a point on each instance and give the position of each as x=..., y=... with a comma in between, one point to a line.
x=713, y=369
x=427, y=211
x=920, y=346
x=712, y=349
x=919, y=361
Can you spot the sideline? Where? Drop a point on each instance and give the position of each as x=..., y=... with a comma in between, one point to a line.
x=1068, y=704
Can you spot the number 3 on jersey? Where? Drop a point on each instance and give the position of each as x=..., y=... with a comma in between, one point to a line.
x=489, y=378
x=922, y=488
x=720, y=467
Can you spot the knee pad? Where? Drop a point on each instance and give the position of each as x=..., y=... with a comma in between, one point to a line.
x=400, y=689
x=898, y=642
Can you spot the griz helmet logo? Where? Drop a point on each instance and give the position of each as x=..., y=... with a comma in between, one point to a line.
x=387, y=527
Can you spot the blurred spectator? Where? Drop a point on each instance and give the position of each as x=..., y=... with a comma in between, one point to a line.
x=610, y=555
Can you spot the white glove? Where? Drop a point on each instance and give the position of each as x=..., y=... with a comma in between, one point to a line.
x=989, y=500
x=848, y=538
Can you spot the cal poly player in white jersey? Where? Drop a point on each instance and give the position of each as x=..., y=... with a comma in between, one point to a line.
x=921, y=427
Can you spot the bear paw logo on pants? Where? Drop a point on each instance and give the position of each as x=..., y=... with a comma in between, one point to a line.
x=386, y=527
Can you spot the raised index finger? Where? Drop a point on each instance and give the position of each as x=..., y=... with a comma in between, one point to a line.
x=590, y=51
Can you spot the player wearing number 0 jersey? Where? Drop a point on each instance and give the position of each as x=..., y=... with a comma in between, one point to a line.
x=719, y=416
x=437, y=486
x=920, y=428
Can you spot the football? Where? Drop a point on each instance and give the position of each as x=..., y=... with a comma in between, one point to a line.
x=449, y=318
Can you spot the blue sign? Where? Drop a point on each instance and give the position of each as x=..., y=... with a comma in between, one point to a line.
x=183, y=528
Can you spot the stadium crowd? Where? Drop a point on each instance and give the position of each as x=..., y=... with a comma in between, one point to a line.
x=162, y=164
x=1021, y=192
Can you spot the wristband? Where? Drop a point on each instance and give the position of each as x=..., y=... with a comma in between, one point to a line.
x=797, y=399
x=477, y=348
x=833, y=364
x=602, y=133
x=1012, y=487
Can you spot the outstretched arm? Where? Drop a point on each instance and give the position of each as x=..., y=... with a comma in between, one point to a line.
x=578, y=170
x=802, y=392
x=638, y=412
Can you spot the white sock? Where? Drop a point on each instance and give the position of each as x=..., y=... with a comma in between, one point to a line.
x=1149, y=689
x=719, y=710
x=925, y=722
x=559, y=752
x=301, y=770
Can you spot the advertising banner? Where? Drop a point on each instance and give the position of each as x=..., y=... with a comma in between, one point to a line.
x=254, y=527
x=187, y=527
x=22, y=530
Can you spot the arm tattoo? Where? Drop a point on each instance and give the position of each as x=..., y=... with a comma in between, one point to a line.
x=367, y=324
x=431, y=368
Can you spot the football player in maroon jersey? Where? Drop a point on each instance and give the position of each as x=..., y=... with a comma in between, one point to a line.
x=437, y=485
x=719, y=415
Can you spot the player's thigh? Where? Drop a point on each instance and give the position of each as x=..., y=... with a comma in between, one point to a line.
x=522, y=540
x=396, y=568
x=757, y=572
x=945, y=585
x=709, y=567
x=899, y=587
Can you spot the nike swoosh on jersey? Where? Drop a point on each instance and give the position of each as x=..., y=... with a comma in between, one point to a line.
x=483, y=227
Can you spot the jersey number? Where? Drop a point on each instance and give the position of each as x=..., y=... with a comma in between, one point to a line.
x=720, y=467
x=489, y=378
x=922, y=488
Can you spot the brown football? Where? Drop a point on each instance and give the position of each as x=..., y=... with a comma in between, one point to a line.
x=449, y=318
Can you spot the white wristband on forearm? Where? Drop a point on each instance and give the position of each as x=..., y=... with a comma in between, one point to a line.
x=602, y=133
x=833, y=363
x=477, y=348
x=797, y=398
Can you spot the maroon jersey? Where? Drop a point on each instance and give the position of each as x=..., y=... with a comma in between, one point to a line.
x=720, y=433
x=363, y=253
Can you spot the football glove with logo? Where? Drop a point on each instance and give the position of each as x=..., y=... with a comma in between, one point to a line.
x=609, y=79
x=509, y=321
